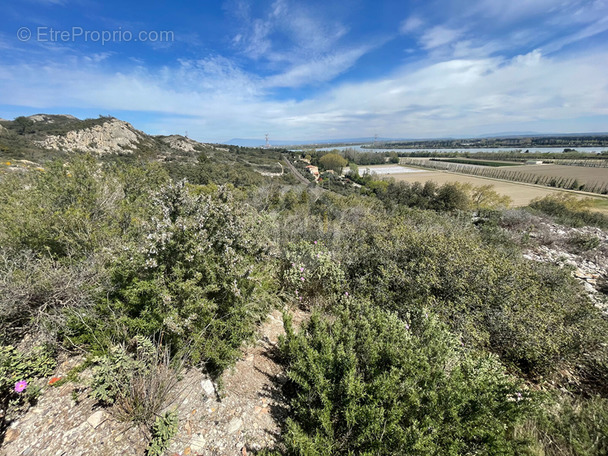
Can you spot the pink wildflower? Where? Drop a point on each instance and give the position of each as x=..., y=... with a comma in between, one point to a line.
x=315, y=242
x=302, y=279
x=301, y=269
x=20, y=386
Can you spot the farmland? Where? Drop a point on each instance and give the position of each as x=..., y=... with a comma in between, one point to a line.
x=587, y=179
x=463, y=161
x=520, y=193
x=584, y=175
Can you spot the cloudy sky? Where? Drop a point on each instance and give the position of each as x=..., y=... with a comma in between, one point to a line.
x=311, y=69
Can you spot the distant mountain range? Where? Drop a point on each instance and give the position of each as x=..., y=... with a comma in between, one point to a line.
x=246, y=142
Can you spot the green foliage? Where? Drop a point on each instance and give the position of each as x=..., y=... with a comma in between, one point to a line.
x=333, y=161
x=584, y=242
x=111, y=256
x=571, y=427
x=354, y=169
x=112, y=372
x=448, y=197
x=570, y=210
x=199, y=277
x=16, y=366
x=139, y=380
x=532, y=315
x=38, y=293
x=73, y=210
x=164, y=429
x=238, y=166
x=311, y=274
x=368, y=383
x=484, y=197
x=63, y=211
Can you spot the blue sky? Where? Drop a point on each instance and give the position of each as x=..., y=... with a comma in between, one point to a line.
x=311, y=69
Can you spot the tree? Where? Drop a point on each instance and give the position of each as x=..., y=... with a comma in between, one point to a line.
x=333, y=161
x=485, y=197
x=23, y=124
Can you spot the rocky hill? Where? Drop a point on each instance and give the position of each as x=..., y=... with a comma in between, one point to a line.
x=106, y=138
x=30, y=142
x=47, y=135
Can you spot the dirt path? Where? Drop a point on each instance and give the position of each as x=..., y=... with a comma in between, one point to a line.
x=246, y=412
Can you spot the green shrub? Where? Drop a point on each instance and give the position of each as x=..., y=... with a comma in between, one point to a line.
x=534, y=316
x=75, y=209
x=368, y=383
x=138, y=380
x=63, y=211
x=164, y=429
x=583, y=242
x=571, y=426
x=569, y=210
x=448, y=197
x=200, y=279
x=16, y=366
x=311, y=274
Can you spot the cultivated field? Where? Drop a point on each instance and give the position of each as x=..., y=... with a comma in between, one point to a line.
x=583, y=174
x=521, y=194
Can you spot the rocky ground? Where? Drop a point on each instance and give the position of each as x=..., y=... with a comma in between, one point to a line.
x=242, y=416
x=102, y=139
x=584, y=250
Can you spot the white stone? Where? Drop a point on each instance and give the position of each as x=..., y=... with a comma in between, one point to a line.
x=96, y=419
x=208, y=387
x=199, y=443
x=234, y=425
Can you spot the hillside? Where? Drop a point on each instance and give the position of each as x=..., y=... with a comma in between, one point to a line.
x=35, y=140
x=45, y=134
x=159, y=296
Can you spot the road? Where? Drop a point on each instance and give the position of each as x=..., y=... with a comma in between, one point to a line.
x=296, y=172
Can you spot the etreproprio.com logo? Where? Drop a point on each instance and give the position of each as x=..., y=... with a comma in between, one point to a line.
x=74, y=34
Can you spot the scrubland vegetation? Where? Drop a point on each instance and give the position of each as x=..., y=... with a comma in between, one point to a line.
x=429, y=333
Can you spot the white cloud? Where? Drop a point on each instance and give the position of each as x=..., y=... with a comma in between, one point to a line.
x=411, y=24
x=293, y=40
x=220, y=100
x=531, y=59
x=322, y=69
x=439, y=36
